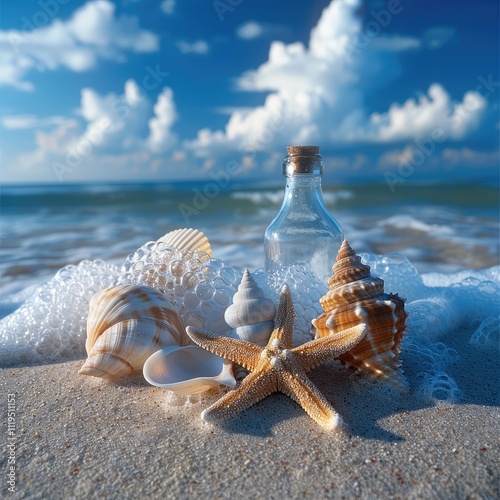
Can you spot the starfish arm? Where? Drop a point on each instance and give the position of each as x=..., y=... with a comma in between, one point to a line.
x=255, y=387
x=306, y=394
x=316, y=352
x=245, y=354
x=285, y=317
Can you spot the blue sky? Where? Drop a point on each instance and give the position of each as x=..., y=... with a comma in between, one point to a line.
x=392, y=91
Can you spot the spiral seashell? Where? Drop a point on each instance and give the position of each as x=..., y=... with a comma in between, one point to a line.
x=187, y=370
x=187, y=239
x=357, y=297
x=125, y=325
x=251, y=314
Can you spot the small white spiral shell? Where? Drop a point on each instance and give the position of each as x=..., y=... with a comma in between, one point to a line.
x=252, y=314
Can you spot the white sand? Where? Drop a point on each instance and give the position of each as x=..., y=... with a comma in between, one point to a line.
x=80, y=437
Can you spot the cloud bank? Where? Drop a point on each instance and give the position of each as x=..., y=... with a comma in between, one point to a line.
x=318, y=93
x=91, y=34
x=110, y=136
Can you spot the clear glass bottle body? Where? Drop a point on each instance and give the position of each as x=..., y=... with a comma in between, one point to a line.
x=303, y=231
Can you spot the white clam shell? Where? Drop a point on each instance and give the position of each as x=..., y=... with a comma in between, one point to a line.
x=187, y=370
x=125, y=325
x=252, y=314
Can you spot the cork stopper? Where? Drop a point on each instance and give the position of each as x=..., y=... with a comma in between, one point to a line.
x=303, y=160
x=303, y=150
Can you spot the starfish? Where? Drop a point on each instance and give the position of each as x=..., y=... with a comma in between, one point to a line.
x=278, y=366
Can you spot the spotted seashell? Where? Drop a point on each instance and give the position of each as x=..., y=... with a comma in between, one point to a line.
x=355, y=297
x=125, y=325
x=251, y=314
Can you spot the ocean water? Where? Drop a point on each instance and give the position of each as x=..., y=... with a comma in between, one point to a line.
x=439, y=228
x=435, y=245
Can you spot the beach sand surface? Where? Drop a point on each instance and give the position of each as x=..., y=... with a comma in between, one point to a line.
x=82, y=437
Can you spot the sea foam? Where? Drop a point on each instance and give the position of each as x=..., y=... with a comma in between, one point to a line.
x=50, y=324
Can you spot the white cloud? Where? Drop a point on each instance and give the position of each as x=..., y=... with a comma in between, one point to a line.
x=198, y=47
x=161, y=137
x=418, y=118
x=94, y=24
x=318, y=94
x=168, y=6
x=477, y=159
x=305, y=82
x=114, y=122
x=431, y=158
x=117, y=123
x=250, y=30
x=19, y=122
x=396, y=43
x=435, y=38
x=111, y=131
x=58, y=139
x=91, y=34
x=393, y=157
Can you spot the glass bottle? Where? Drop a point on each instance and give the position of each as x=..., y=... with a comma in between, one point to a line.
x=303, y=231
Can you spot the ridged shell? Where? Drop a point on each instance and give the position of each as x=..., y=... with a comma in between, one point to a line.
x=187, y=239
x=125, y=325
x=357, y=297
x=251, y=314
x=187, y=370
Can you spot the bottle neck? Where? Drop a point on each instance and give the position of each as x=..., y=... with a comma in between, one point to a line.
x=299, y=164
x=303, y=191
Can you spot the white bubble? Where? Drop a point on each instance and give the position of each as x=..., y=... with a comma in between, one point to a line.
x=178, y=268
x=174, y=399
x=51, y=324
x=229, y=275
x=191, y=300
x=209, y=273
x=487, y=334
x=222, y=297
x=205, y=291
x=439, y=385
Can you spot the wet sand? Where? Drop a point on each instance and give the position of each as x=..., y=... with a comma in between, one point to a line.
x=81, y=437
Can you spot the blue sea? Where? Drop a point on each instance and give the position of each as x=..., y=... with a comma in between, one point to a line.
x=438, y=227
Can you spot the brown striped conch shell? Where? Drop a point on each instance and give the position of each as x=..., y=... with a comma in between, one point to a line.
x=125, y=325
x=356, y=297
